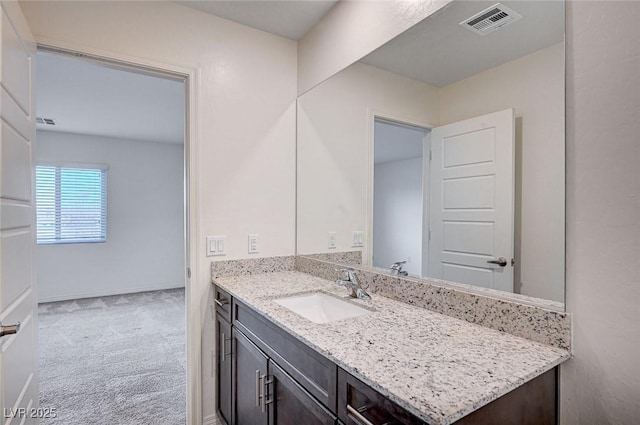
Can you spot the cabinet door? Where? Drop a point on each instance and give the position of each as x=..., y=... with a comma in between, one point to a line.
x=291, y=404
x=249, y=370
x=223, y=375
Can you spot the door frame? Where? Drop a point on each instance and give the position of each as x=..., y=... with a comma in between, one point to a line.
x=192, y=272
x=411, y=121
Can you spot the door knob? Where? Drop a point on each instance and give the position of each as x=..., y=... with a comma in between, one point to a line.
x=501, y=261
x=9, y=330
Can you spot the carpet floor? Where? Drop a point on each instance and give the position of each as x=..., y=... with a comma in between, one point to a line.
x=116, y=360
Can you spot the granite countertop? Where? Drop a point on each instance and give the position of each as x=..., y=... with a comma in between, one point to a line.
x=437, y=367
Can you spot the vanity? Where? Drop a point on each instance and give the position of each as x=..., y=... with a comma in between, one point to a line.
x=434, y=168
x=393, y=364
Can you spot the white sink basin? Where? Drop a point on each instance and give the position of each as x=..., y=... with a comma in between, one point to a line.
x=321, y=308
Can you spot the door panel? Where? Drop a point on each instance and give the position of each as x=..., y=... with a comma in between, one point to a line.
x=16, y=267
x=249, y=364
x=16, y=64
x=472, y=201
x=475, y=147
x=17, y=359
x=13, y=114
x=15, y=165
x=472, y=238
x=476, y=192
x=457, y=273
x=18, y=387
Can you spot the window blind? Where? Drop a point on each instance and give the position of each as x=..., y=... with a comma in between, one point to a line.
x=71, y=204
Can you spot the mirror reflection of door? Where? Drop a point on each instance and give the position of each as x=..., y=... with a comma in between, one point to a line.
x=398, y=195
x=472, y=201
x=443, y=200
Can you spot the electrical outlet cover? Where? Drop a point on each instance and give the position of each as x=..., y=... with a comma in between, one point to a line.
x=253, y=244
x=332, y=240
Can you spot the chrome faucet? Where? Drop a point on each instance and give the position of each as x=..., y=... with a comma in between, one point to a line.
x=351, y=283
x=396, y=268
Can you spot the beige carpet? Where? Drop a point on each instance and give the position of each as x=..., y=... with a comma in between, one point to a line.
x=114, y=360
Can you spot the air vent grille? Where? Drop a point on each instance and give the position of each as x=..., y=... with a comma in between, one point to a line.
x=491, y=19
x=48, y=121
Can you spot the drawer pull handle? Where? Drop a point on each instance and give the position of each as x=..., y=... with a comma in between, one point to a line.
x=358, y=416
x=221, y=302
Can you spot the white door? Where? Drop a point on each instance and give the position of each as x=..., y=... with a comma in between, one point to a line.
x=472, y=201
x=18, y=384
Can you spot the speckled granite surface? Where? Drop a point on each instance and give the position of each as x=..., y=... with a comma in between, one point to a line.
x=251, y=266
x=438, y=367
x=531, y=318
x=346, y=257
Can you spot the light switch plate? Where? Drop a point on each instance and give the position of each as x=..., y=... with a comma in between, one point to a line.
x=331, y=240
x=216, y=246
x=357, y=238
x=254, y=247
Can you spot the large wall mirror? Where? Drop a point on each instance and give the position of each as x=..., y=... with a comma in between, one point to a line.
x=444, y=149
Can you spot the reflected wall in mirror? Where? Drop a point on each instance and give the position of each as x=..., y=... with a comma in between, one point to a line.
x=444, y=148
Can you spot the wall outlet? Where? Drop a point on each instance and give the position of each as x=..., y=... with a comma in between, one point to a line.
x=331, y=241
x=357, y=238
x=253, y=244
x=216, y=246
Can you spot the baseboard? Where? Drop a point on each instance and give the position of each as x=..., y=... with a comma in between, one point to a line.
x=210, y=420
x=76, y=296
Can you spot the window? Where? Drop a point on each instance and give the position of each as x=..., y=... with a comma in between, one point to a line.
x=71, y=204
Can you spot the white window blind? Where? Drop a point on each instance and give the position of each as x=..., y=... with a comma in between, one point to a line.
x=71, y=204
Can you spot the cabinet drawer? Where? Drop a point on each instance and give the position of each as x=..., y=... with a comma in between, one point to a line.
x=222, y=300
x=534, y=403
x=358, y=404
x=316, y=373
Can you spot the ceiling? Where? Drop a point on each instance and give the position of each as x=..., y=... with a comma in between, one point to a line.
x=290, y=19
x=439, y=52
x=92, y=98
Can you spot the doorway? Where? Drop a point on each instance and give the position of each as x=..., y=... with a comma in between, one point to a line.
x=400, y=174
x=112, y=277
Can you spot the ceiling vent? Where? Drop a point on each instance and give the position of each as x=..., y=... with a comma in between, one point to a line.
x=48, y=121
x=491, y=19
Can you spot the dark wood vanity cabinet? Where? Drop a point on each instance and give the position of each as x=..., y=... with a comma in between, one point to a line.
x=274, y=379
x=265, y=394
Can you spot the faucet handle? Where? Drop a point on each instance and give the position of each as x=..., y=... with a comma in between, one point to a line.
x=345, y=270
x=396, y=268
x=398, y=265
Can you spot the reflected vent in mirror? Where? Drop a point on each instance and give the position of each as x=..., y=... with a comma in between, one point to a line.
x=48, y=121
x=491, y=19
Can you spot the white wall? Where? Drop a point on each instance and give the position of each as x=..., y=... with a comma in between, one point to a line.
x=601, y=384
x=245, y=136
x=145, y=226
x=397, y=213
x=533, y=85
x=335, y=132
x=353, y=29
